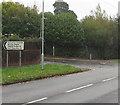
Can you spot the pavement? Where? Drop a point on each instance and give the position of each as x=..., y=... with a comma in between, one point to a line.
x=99, y=85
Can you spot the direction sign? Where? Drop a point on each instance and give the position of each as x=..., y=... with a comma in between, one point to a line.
x=14, y=45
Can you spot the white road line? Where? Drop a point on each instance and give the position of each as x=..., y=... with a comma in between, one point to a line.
x=79, y=88
x=108, y=79
x=37, y=100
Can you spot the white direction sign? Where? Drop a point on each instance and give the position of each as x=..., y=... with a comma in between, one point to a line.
x=14, y=45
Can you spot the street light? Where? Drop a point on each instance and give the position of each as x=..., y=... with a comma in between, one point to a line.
x=42, y=56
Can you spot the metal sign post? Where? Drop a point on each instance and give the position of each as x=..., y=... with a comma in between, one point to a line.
x=7, y=59
x=53, y=51
x=90, y=56
x=14, y=45
x=20, y=58
x=42, y=56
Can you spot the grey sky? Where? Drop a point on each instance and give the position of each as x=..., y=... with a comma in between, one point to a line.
x=119, y=8
x=80, y=7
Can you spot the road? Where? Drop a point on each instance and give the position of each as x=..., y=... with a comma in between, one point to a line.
x=99, y=85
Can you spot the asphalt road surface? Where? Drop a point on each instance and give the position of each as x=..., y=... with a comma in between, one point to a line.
x=99, y=85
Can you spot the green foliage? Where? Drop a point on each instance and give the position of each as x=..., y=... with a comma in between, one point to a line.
x=19, y=20
x=100, y=31
x=117, y=60
x=118, y=19
x=17, y=38
x=14, y=38
x=62, y=7
x=63, y=30
x=0, y=23
x=29, y=39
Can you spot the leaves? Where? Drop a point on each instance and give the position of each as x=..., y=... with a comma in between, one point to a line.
x=100, y=31
x=63, y=29
x=19, y=20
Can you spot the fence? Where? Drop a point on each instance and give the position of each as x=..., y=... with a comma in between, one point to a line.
x=84, y=52
x=30, y=55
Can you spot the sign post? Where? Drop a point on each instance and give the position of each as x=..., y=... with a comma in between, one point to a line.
x=42, y=55
x=20, y=58
x=53, y=51
x=90, y=56
x=14, y=45
x=7, y=59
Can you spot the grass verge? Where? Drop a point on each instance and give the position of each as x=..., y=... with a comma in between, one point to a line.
x=15, y=75
x=118, y=60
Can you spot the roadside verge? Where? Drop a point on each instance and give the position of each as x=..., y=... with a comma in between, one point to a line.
x=34, y=72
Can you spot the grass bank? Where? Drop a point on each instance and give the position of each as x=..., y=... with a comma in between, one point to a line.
x=15, y=75
x=118, y=60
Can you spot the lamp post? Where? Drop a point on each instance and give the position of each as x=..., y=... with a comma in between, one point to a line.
x=42, y=55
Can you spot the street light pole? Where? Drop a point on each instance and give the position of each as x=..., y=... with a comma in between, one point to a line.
x=42, y=56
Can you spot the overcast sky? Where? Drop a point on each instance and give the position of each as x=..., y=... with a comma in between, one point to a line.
x=80, y=7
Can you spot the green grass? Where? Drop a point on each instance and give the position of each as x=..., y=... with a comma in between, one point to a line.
x=115, y=59
x=11, y=75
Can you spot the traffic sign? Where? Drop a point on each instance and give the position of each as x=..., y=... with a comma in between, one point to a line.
x=14, y=45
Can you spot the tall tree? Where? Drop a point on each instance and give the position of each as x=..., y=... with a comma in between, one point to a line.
x=20, y=20
x=62, y=7
x=119, y=36
x=100, y=31
x=63, y=30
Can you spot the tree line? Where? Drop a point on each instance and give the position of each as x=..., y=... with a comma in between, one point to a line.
x=95, y=34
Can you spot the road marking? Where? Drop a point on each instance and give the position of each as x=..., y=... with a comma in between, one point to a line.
x=37, y=100
x=70, y=90
x=79, y=88
x=108, y=79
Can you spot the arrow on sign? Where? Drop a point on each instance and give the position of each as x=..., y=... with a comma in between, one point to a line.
x=14, y=45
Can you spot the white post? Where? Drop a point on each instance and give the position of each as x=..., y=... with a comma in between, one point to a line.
x=42, y=58
x=53, y=51
x=90, y=56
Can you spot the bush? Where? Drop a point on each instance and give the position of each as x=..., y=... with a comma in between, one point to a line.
x=29, y=39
